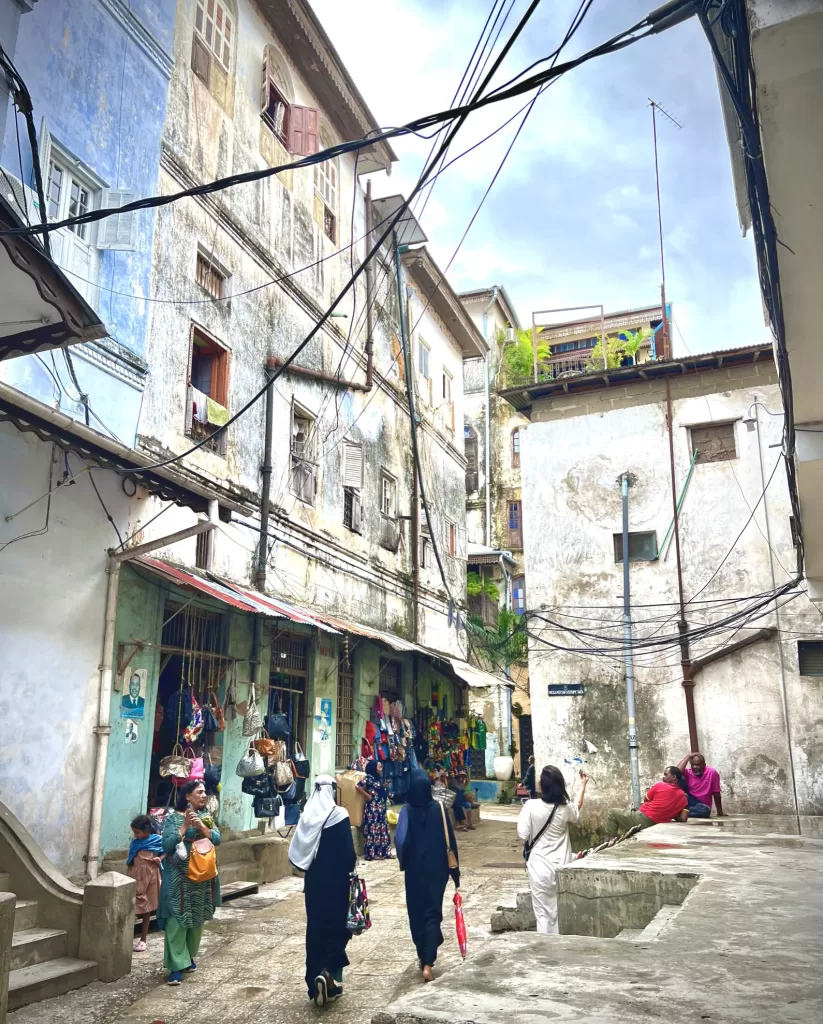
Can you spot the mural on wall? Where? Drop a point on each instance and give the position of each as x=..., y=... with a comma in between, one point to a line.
x=133, y=703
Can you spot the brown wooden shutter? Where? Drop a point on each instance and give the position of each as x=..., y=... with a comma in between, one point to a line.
x=200, y=59
x=302, y=133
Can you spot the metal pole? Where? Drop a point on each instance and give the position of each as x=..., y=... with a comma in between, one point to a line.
x=777, y=621
x=682, y=626
x=666, y=338
x=265, y=487
x=603, y=337
x=627, y=642
x=369, y=294
x=534, y=346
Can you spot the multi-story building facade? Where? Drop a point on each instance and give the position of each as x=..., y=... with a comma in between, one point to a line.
x=753, y=710
x=275, y=562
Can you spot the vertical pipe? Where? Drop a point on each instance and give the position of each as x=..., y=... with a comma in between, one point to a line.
x=487, y=455
x=627, y=643
x=682, y=626
x=783, y=693
x=103, y=728
x=265, y=497
x=415, y=555
x=369, y=295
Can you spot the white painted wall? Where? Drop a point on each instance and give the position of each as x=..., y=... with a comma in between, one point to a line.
x=52, y=600
x=573, y=455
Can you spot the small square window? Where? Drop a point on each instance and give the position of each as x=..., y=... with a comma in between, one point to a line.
x=810, y=657
x=713, y=442
x=210, y=276
x=642, y=546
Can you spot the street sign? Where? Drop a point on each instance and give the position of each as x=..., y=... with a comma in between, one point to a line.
x=567, y=689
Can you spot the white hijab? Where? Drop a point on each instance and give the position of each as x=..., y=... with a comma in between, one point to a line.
x=320, y=812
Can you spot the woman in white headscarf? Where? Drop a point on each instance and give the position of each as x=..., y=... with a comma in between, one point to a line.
x=323, y=848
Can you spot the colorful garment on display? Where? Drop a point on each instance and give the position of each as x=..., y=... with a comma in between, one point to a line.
x=376, y=835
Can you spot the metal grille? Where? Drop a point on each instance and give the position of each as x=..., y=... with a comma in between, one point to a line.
x=209, y=277
x=810, y=656
x=199, y=636
x=290, y=654
x=345, y=712
x=390, y=679
x=642, y=546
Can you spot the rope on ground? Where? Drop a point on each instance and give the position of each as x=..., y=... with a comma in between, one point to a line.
x=610, y=842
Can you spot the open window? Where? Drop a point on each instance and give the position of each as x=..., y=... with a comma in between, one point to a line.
x=389, y=531
x=213, y=44
x=208, y=390
x=352, y=459
x=470, y=448
x=295, y=126
x=325, y=190
x=303, y=462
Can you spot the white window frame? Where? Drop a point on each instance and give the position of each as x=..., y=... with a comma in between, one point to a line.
x=388, y=495
x=201, y=15
x=303, y=469
x=422, y=347
x=326, y=180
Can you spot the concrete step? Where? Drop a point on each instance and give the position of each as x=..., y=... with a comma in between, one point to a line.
x=629, y=934
x=235, y=890
x=36, y=945
x=25, y=914
x=242, y=871
x=52, y=978
x=4, y=882
x=234, y=853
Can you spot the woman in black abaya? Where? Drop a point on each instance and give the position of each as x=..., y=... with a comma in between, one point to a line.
x=423, y=854
x=323, y=848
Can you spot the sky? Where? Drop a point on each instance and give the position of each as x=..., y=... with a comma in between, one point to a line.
x=572, y=217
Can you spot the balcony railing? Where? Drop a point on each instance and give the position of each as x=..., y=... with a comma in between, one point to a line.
x=485, y=608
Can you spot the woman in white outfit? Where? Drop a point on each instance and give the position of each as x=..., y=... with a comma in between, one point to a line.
x=543, y=826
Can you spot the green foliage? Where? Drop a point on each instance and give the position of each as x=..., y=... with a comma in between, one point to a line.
x=503, y=645
x=616, y=348
x=518, y=358
x=476, y=585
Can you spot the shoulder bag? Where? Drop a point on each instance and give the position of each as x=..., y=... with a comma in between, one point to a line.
x=251, y=763
x=452, y=856
x=528, y=847
x=252, y=722
x=299, y=764
x=176, y=765
x=202, y=864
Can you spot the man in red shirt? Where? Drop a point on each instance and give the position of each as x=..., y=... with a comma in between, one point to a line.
x=665, y=801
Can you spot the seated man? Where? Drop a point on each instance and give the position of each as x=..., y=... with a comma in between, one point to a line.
x=463, y=803
x=664, y=801
x=702, y=783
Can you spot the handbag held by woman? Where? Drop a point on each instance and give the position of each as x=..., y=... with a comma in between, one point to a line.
x=452, y=856
x=202, y=866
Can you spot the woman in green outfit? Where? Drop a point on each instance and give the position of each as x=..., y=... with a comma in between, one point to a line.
x=186, y=905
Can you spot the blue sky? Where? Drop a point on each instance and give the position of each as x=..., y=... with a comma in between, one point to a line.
x=572, y=218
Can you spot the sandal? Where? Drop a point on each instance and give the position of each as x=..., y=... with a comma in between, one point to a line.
x=139, y=946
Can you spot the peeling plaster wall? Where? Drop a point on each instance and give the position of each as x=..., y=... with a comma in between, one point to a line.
x=98, y=77
x=573, y=454
x=257, y=233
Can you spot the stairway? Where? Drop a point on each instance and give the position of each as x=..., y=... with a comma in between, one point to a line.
x=39, y=967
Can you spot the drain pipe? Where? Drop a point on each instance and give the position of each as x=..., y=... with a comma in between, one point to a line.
x=369, y=295
x=102, y=730
x=627, y=641
x=487, y=426
x=265, y=488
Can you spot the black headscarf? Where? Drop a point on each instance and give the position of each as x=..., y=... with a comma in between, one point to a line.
x=371, y=770
x=418, y=801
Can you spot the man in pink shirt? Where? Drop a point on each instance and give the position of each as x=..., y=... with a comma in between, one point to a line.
x=702, y=785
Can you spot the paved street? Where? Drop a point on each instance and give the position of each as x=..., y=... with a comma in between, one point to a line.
x=252, y=959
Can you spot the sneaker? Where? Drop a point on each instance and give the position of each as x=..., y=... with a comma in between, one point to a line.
x=191, y=968
x=333, y=988
x=175, y=978
x=321, y=990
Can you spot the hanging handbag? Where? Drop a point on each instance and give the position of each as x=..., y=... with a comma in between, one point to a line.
x=252, y=722
x=216, y=709
x=283, y=775
x=250, y=764
x=256, y=785
x=176, y=765
x=267, y=747
x=195, y=727
x=267, y=806
x=300, y=765
x=358, y=919
x=292, y=814
x=289, y=794
x=202, y=865
x=197, y=770
x=452, y=856
x=277, y=726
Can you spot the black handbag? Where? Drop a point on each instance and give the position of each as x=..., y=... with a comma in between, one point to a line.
x=267, y=806
x=299, y=763
x=277, y=726
x=210, y=723
x=257, y=785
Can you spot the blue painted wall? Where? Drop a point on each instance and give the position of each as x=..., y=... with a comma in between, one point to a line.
x=98, y=70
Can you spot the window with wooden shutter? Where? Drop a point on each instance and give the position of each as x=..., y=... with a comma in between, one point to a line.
x=810, y=657
x=516, y=448
x=352, y=509
x=120, y=230
x=713, y=442
x=352, y=465
x=515, y=524
x=200, y=60
x=214, y=26
x=302, y=130
x=275, y=108
x=451, y=538
x=208, y=390
x=470, y=448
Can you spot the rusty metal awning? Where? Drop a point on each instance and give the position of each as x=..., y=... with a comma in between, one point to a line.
x=232, y=594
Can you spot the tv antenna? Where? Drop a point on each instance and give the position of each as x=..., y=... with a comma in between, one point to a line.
x=670, y=117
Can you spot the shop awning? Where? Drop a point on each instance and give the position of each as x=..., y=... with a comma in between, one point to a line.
x=397, y=643
x=232, y=594
x=476, y=677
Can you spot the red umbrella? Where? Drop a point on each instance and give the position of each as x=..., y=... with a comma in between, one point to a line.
x=460, y=924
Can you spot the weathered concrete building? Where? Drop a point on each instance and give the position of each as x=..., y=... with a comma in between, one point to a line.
x=756, y=710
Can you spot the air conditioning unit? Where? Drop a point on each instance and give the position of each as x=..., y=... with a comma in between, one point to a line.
x=510, y=336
